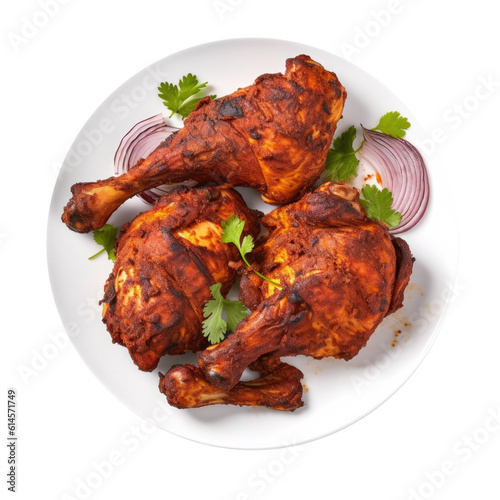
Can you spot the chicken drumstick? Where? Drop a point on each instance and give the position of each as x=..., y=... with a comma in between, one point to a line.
x=278, y=387
x=273, y=136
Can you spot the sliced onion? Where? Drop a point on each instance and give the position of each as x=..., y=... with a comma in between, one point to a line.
x=139, y=142
x=402, y=171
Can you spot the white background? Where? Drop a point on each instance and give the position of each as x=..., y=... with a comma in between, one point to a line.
x=437, y=437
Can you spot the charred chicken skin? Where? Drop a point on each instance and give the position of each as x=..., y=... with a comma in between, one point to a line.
x=341, y=273
x=273, y=136
x=166, y=260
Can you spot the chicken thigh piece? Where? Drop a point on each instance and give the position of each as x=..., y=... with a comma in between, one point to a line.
x=341, y=273
x=273, y=136
x=166, y=260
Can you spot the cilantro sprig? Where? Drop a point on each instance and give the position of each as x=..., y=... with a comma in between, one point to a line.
x=393, y=124
x=106, y=237
x=378, y=205
x=214, y=325
x=232, y=230
x=342, y=162
x=180, y=98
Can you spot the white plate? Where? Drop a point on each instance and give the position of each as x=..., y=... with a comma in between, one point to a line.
x=337, y=393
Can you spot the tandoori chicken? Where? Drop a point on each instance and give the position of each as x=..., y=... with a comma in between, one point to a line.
x=166, y=260
x=273, y=135
x=340, y=274
x=278, y=387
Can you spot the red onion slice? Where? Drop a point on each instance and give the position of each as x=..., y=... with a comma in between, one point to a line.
x=402, y=171
x=140, y=141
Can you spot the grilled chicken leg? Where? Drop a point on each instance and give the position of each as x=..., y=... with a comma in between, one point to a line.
x=340, y=273
x=278, y=387
x=273, y=136
x=166, y=260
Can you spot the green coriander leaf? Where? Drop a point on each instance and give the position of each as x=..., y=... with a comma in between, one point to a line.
x=378, y=205
x=232, y=230
x=189, y=106
x=188, y=86
x=106, y=237
x=214, y=326
x=341, y=161
x=170, y=95
x=247, y=245
x=179, y=98
x=235, y=311
x=186, y=109
x=393, y=124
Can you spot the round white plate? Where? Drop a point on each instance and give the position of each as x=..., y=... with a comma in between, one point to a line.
x=337, y=393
